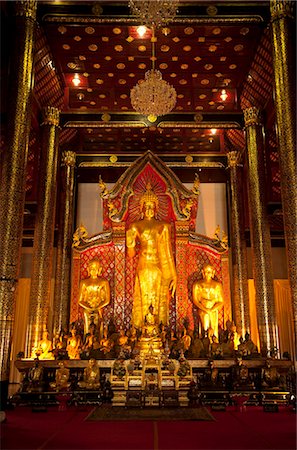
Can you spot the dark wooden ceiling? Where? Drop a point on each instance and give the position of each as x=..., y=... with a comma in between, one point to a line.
x=199, y=54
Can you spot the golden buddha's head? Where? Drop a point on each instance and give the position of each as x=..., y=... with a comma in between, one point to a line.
x=94, y=268
x=92, y=362
x=208, y=271
x=149, y=202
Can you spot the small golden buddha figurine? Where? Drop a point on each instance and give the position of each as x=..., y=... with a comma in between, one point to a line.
x=45, y=347
x=74, y=345
x=61, y=378
x=270, y=376
x=94, y=295
x=155, y=274
x=251, y=348
x=91, y=376
x=208, y=297
x=90, y=338
x=185, y=341
x=150, y=341
x=215, y=348
x=35, y=377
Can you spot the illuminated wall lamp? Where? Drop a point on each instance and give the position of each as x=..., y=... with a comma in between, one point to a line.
x=76, y=80
x=141, y=30
x=223, y=95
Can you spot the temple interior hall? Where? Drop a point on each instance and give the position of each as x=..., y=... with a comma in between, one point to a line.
x=148, y=205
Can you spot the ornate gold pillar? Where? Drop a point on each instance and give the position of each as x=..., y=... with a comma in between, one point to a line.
x=63, y=266
x=13, y=176
x=238, y=246
x=283, y=27
x=260, y=232
x=44, y=229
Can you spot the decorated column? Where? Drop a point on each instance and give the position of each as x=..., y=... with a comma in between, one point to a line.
x=238, y=246
x=63, y=266
x=283, y=27
x=260, y=232
x=13, y=177
x=44, y=229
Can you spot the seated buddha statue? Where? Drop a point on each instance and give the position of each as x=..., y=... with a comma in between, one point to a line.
x=74, y=345
x=270, y=376
x=106, y=344
x=45, y=347
x=35, y=378
x=61, y=382
x=240, y=375
x=185, y=341
x=251, y=348
x=215, y=348
x=91, y=378
x=150, y=340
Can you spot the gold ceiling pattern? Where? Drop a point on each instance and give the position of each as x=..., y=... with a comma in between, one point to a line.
x=110, y=60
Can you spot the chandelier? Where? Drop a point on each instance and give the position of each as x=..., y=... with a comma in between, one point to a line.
x=153, y=96
x=154, y=13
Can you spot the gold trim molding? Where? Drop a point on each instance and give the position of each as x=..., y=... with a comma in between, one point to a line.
x=69, y=158
x=202, y=164
x=202, y=125
x=95, y=124
x=132, y=21
x=233, y=158
x=280, y=9
x=50, y=116
x=252, y=116
x=26, y=8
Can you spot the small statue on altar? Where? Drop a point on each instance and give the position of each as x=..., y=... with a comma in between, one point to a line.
x=123, y=343
x=215, y=348
x=90, y=338
x=209, y=299
x=185, y=341
x=35, y=378
x=240, y=376
x=45, y=347
x=196, y=350
x=91, y=378
x=74, y=345
x=227, y=347
x=94, y=295
x=106, y=344
x=251, y=348
x=155, y=274
x=241, y=349
x=150, y=323
x=119, y=367
x=62, y=382
x=150, y=340
x=184, y=367
x=270, y=376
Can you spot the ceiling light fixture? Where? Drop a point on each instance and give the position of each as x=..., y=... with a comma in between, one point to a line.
x=141, y=30
x=153, y=96
x=213, y=131
x=76, y=80
x=154, y=13
x=223, y=95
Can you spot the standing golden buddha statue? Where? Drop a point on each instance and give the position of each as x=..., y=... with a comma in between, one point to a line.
x=94, y=295
x=208, y=297
x=155, y=274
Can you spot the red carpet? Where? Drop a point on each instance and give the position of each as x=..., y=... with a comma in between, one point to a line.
x=58, y=430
